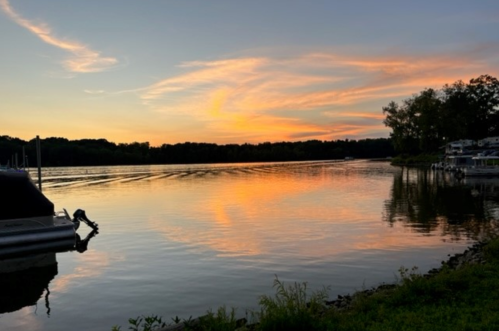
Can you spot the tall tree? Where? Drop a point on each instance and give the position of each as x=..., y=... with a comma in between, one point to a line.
x=484, y=99
x=415, y=124
x=431, y=118
x=402, y=121
x=455, y=112
x=426, y=107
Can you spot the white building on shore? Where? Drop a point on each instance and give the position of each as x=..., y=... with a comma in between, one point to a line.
x=489, y=142
x=457, y=147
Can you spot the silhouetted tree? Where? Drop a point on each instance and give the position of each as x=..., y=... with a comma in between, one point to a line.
x=85, y=152
x=432, y=118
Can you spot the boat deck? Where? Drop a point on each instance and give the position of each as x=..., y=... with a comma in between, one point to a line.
x=37, y=232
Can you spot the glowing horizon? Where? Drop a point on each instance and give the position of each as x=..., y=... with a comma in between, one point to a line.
x=128, y=79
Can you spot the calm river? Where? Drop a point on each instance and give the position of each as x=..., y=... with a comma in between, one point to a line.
x=177, y=240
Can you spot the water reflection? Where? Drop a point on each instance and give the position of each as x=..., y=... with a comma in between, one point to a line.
x=433, y=201
x=25, y=278
x=177, y=240
x=296, y=211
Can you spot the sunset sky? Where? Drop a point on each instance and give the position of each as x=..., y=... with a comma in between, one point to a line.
x=223, y=71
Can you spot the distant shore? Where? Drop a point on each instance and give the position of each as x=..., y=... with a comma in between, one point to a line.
x=58, y=152
x=421, y=160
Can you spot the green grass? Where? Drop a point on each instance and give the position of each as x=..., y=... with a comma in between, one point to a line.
x=462, y=299
x=291, y=308
x=465, y=299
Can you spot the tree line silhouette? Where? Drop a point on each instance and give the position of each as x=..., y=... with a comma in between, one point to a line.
x=95, y=152
x=430, y=119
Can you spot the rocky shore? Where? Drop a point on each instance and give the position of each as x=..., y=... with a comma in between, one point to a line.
x=472, y=255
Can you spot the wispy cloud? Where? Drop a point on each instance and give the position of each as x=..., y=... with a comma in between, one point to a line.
x=94, y=91
x=317, y=95
x=256, y=85
x=82, y=59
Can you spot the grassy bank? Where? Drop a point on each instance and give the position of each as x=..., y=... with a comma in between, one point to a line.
x=462, y=295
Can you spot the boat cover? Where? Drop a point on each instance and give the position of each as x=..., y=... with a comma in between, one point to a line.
x=20, y=198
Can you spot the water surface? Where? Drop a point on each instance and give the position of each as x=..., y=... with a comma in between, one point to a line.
x=176, y=240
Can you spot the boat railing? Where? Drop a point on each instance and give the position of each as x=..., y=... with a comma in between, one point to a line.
x=486, y=161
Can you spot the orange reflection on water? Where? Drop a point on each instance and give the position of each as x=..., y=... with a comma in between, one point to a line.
x=266, y=212
x=394, y=240
x=26, y=320
x=297, y=209
x=92, y=264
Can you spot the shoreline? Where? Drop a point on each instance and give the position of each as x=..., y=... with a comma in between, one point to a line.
x=472, y=255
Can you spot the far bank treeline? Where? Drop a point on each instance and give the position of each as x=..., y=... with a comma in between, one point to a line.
x=93, y=152
x=430, y=119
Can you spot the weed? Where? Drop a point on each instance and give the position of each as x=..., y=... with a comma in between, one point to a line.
x=291, y=309
x=409, y=275
x=143, y=323
x=219, y=321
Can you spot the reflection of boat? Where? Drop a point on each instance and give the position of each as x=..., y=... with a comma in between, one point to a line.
x=24, y=279
x=27, y=218
x=458, y=162
x=487, y=187
x=453, y=163
x=483, y=166
x=482, y=181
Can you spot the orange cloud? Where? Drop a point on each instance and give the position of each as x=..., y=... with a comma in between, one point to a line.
x=282, y=129
x=260, y=85
x=83, y=59
x=314, y=96
x=362, y=115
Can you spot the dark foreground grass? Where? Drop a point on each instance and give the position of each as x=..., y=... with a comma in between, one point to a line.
x=465, y=299
x=462, y=299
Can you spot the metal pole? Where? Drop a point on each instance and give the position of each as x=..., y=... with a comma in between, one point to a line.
x=24, y=159
x=39, y=162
